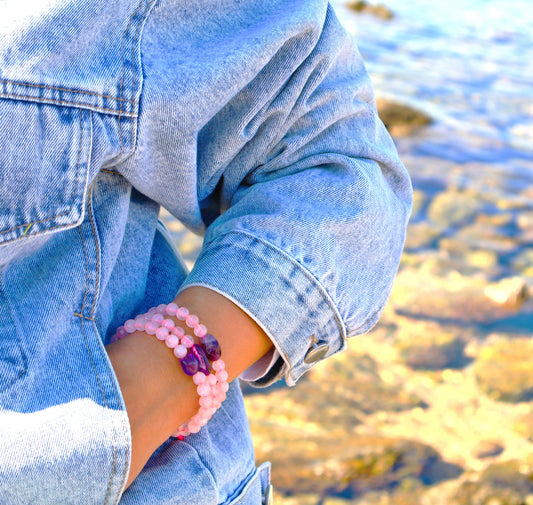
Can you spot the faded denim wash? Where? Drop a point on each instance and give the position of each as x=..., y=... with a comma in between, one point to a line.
x=254, y=123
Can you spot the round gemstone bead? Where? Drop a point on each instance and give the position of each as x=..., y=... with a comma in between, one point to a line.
x=168, y=323
x=187, y=341
x=200, y=330
x=191, y=320
x=157, y=318
x=151, y=327
x=218, y=365
x=199, y=378
x=180, y=351
x=203, y=389
x=182, y=313
x=222, y=375
x=171, y=309
x=161, y=309
x=129, y=326
x=171, y=340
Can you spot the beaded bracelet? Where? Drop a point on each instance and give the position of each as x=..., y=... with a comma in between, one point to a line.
x=200, y=361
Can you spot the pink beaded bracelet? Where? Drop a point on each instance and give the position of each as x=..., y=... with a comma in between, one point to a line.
x=200, y=361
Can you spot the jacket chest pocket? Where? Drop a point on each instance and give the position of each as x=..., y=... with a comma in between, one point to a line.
x=44, y=158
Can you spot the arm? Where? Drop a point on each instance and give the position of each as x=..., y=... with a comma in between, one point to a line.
x=159, y=397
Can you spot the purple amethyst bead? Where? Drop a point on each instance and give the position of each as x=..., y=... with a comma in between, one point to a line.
x=190, y=363
x=211, y=347
x=204, y=365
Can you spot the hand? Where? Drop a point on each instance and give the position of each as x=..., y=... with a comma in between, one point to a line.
x=159, y=397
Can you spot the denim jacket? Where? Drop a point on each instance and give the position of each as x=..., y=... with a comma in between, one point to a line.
x=254, y=123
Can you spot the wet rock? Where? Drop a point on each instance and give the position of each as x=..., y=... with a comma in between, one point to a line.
x=523, y=261
x=488, y=449
x=421, y=235
x=487, y=237
x=524, y=425
x=511, y=292
x=449, y=297
x=379, y=10
x=505, y=483
x=428, y=346
x=504, y=369
x=361, y=463
x=401, y=120
x=454, y=208
x=419, y=201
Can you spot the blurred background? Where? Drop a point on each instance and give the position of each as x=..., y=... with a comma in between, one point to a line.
x=434, y=405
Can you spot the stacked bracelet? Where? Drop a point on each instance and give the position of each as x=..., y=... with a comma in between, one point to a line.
x=200, y=361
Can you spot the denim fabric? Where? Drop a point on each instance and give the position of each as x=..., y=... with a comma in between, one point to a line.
x=254, y=123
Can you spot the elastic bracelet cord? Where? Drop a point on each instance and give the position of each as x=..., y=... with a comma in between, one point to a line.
x=200, y=361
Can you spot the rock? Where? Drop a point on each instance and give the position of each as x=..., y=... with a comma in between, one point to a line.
x=420, y=235
x=351, y=466
x=427, y=346
x=401, y=120
x=523, y=261
x=419, y=201
x=511, y=292
x=524, y=425
x=506, y=483
x=504, y=369
x=379, y=10
x=488, y=449
x=454, y=208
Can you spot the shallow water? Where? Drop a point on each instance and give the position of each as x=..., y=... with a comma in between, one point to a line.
x=469, y=64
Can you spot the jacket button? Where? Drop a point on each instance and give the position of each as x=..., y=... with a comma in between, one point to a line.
x=316, y=353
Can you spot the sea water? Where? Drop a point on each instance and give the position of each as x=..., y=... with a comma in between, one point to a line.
x=469, y=65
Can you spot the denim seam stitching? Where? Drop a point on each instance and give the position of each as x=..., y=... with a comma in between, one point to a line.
x=58, y=88
x=86, y=274
x=53, y=101
x=71, y=197
x=95, y=295
x=98, y=259
x=113, y=471
x=103, y=398
x=137, y=40
x=134, y=45
x=308, y=275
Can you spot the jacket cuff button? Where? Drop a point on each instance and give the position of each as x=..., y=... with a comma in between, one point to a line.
x=316, y=353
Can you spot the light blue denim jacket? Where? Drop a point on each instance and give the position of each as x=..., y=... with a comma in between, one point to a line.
x=254, y=123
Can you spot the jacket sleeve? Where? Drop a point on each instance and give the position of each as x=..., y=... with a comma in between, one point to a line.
x=313, y=204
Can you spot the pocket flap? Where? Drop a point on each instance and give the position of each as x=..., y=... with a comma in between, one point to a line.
x=44, y=151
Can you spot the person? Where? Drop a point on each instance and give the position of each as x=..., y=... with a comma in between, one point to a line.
x=253, y=123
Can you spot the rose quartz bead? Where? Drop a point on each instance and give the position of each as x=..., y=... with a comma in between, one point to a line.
x=171, y=340
x=194, y=427
x=203, y=389
x=129, y=326
x=121, y=332
x=198, y=378
x=191, y=320
x=162, y=309
x=151, y=312
x=206, y=401
x=212, y=380
x=140, y=324
x=168, y=323
x=157, y=318
x=171, y=309
x=218, y=365
x=222, y=375
x=180, y=351
x=182, y=313
x=151, y=327
x=187, y=341
x=161, y=333
x=178, y=330
x=200, y=330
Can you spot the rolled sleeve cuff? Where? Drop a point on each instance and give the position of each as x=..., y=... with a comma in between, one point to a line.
x=284, y=298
